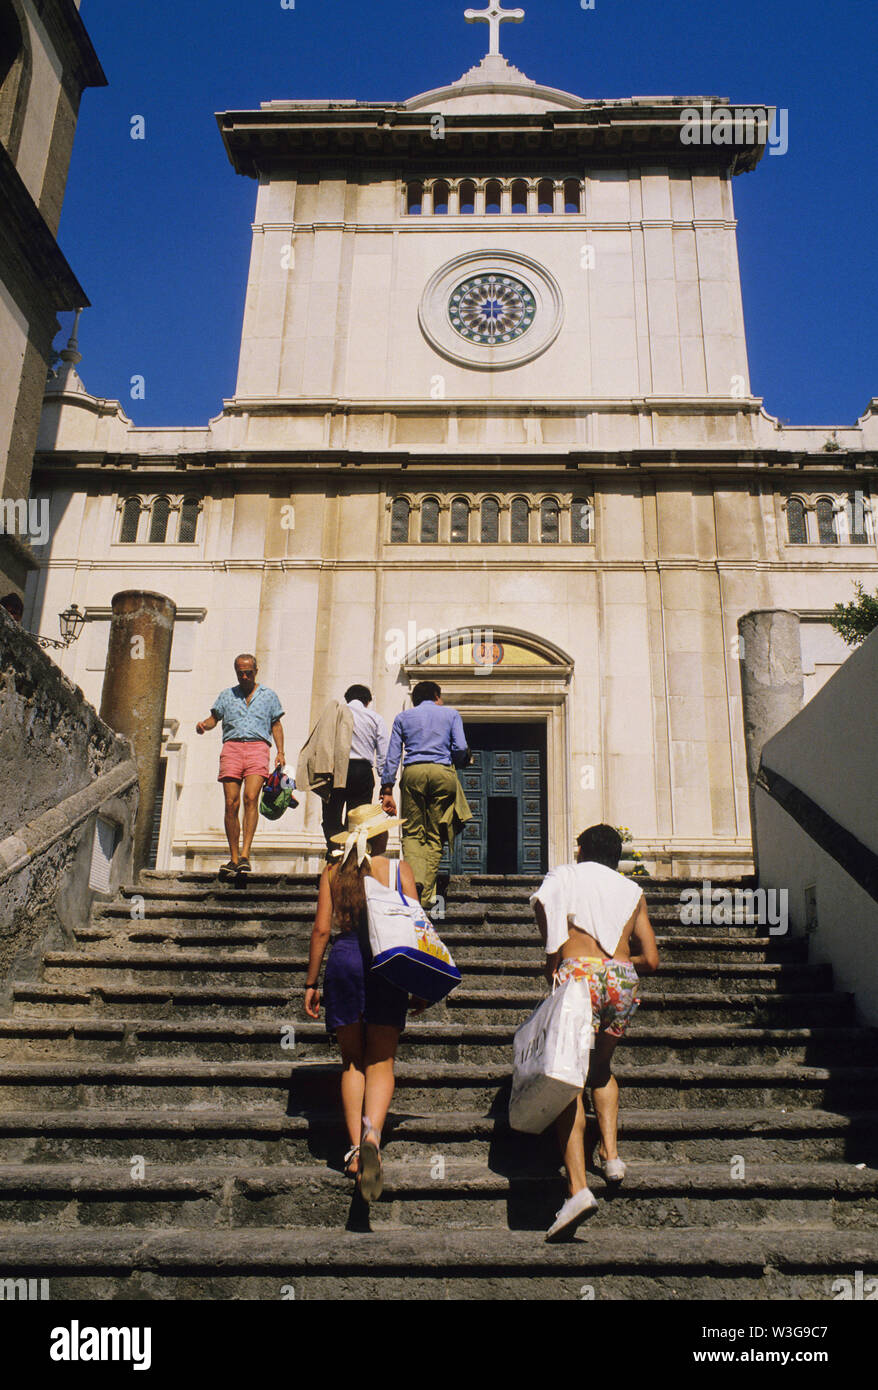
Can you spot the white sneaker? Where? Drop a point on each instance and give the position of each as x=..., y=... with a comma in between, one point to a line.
x=574, y=1210
x=613, y=1169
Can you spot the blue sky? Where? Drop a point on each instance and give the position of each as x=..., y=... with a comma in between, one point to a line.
x=158, y=231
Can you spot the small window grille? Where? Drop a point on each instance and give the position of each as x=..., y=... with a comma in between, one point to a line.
x=429, y=521
x=580, y=521
x=796, y=530
x=188, y=520
x=158, y=525
x=130, y=519
x=519, y=514
x=856, y=513
x=490, y=521
x=826, y=522
x=549, y=527
x=459, y=521
x=399, y=521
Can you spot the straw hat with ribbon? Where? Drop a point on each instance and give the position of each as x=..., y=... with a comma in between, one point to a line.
x=364, y=824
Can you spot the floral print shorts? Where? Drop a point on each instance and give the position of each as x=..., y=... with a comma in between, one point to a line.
x=613, y=986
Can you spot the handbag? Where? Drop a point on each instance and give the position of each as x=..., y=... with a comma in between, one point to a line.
x=406, y=948
x=551, y=1057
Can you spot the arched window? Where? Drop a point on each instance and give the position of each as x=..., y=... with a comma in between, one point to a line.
x=459, y=521
x=415, y=199
x=549, y=519
x=796, y=530
x=158, y=522
x=467, y=196
x=571, y=195
x=856, y=514
x=546, y=196
x=188, y=520
x=130, y=519
x=440, y=196
x=492, y=195
x=581, y=521
x=490, y=521
x=519, y=195
x=429, y=521
x=826, y=522
x=399, y=521
x=519, y=520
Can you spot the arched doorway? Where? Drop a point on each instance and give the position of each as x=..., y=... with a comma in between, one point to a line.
x=511, y=688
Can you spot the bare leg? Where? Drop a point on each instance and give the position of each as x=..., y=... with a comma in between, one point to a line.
x=381, y=1044
x=232, y=792
x=605, y=1094
x=252, y=791
x=570, y=1127
x=351, y=1040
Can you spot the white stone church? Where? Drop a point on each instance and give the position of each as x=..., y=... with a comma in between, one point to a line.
x=493, y=425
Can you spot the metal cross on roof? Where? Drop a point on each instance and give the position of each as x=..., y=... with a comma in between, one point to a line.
x=494, y=17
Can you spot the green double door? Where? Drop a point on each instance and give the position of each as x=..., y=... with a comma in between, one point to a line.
x=505, y=786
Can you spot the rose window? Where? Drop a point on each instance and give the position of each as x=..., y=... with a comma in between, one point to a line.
x=491, y=309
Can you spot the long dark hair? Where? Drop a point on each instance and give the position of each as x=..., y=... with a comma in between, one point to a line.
x=349, y=895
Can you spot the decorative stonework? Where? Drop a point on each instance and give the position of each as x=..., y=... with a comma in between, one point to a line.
x=491, y=310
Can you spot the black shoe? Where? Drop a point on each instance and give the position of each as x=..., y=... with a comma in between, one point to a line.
x=228, y=872
x=244, y=866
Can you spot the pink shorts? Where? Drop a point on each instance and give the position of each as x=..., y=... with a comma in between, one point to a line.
x=240, y=759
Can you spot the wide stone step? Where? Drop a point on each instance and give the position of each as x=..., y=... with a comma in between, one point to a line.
x=452, y=1193
x=94, y=967
x=469, y=1006
x=753, y=1263
x=479, y=1042
x=299, y=914
x=267, y=1135
x=434, y=1085
x=494, y=942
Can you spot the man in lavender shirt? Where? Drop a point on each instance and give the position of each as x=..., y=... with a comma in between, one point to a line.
x=434, y=744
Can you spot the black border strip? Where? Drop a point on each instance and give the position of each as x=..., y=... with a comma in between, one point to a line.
x=854, y=857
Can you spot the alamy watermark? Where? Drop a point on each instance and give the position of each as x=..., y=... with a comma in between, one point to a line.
x=727, y=906
x=465, y=646
x=25, y=516
x=736, y=125
x=23, y=1289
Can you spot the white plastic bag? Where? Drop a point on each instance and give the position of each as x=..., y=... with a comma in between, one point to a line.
x=551, y=1054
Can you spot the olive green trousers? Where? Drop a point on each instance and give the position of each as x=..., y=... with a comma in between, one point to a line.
x=432, y=806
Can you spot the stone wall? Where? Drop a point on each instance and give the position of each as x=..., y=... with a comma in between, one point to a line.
x=52, y=743
x=60, y=767
x=816, y=829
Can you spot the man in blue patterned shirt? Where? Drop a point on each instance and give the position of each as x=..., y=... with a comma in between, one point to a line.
x=250, y=715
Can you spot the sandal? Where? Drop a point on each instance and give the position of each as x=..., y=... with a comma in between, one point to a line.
x=371, y=1175
x=352, y=1154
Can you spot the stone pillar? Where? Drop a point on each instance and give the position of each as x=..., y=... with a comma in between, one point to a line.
x=135, y=688
x=772, y=688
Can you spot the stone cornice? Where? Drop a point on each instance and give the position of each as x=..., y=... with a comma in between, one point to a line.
x=732, y=462
x=645, y=131
x=29, y=253
x=71, y=42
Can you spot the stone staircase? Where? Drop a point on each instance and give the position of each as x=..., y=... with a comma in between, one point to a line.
x=170, y=1125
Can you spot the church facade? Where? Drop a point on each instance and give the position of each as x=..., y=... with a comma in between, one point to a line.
x=493, y=425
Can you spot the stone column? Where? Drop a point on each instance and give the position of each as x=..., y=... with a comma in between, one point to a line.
x=772, y=688
x=135, y=688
